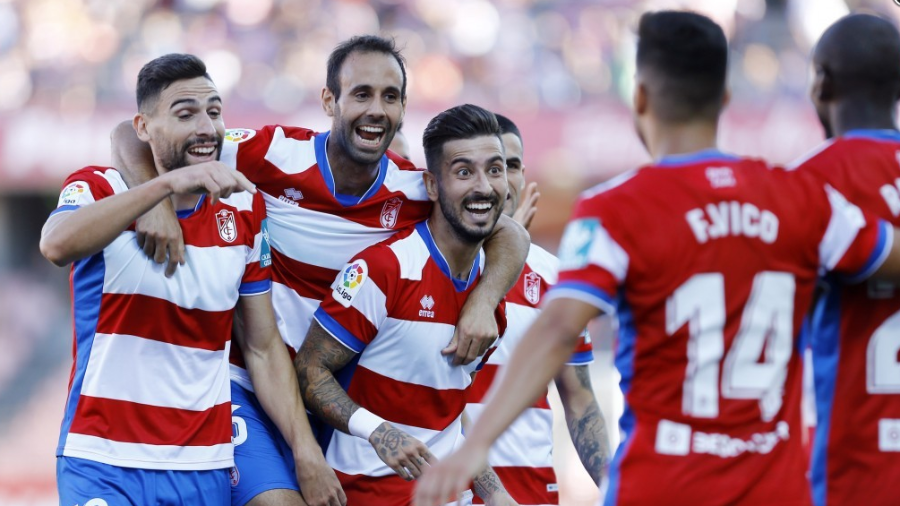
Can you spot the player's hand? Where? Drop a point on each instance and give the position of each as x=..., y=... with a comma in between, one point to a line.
x=406, y=455
x=475, y=332
x=159, y=235
x=527, y=205
x=449, y=477
x=319, y=486
x=215, y=179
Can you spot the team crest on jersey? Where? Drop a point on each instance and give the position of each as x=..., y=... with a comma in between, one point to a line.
x=349, y=281
x=575, y=246
x=533, y=287
x=239, y=134
x=227, y=227
x=390, y=212
x=72, y=193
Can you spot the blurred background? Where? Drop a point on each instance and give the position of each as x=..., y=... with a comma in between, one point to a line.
x=561, y=69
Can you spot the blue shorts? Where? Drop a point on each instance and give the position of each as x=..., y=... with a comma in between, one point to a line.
x=262, y=458
x=88, y=483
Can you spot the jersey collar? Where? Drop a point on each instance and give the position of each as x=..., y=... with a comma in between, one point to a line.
x=459, y=284
x=706, y=155
x=873, y=134
x=325, y=169
x=187, y=213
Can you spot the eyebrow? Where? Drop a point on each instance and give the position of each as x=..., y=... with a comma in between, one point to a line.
x=194, y=102
x=514, y=159
x=468, y=161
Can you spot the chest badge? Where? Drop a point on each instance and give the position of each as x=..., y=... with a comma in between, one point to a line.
x=227, y=227
x=533, y=287
x=390, y=212
x=427, y=302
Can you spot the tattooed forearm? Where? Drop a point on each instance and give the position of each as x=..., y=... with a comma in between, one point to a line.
x=588, y=430
x=319, y=356
x=487, y=483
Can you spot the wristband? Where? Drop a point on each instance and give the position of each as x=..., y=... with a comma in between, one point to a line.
x=363, y=423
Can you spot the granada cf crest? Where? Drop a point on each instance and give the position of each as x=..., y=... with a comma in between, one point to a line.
x=390, y=211
x=533, y=287
x=227, y=227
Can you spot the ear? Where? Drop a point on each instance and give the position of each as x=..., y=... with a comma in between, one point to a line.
x=639, y=101
x=328, y=102
x=823, y=86
x=140, y=127
x=431, y=185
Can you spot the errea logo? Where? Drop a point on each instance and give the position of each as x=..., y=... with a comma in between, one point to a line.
x=427, y=304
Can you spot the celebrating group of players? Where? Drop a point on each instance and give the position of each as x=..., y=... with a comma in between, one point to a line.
x=390, y=286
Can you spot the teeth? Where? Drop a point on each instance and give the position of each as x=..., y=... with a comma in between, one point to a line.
x=481, y=206
x=371, y=129
x=202, y=151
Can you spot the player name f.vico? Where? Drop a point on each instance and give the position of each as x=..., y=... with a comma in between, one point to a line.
x=732, y=218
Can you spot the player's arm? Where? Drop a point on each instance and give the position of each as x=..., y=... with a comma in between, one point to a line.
x=544, y=349
x=276, y=388
x=72, y=235
x=316, y=362
x=505, y=253
x=158, y=230
x=584, y=419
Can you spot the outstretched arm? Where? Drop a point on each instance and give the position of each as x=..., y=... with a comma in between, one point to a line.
x=487, y=484
x=276, y=388
x=584, y=419
x=505, y=252
x=544, y=349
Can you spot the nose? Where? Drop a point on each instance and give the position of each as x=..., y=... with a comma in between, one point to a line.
x=205, y=126
x=376, y=109
x=482, y=184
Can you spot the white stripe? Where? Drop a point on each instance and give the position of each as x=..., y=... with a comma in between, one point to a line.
x=407, y=181
x=606, y=253
x=519, y=318
x=798, y=163
x=410, y=352
x=412, y=255
x=240, y=376
x=528, y=442
x=114, y=179
x=352, y=455
x=293, y=229
x=129, y=368
x=145, y=456
x=843, y=226
x=544, y=263
x=370, y=301
x=229, y=154
x=208, y=280
x=293, y=314
x=608, y=185
x=254, y=253
x=242, y=201
x=291, y=156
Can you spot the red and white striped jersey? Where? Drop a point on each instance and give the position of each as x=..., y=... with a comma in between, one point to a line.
x=710, y=262
x=855, y=340
x=522, y=456
x=397, y=304
x=149, y=387
x=313, y=230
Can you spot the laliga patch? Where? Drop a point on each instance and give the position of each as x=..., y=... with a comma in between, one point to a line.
x=349, y=281
x=239, y=134
x=227, y=226
x=74, y=194
x=575, y=246
x=265, y=250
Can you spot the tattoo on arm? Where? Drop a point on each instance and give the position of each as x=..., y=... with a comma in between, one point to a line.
x=487, y=483
x=315, y=364
x=588, y=432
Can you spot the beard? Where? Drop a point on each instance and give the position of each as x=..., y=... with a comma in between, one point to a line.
x=175, y=158
x=344, y=133
x=453, y=214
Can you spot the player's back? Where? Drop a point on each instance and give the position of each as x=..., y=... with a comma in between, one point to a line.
x=855, y=339
x=710, y=262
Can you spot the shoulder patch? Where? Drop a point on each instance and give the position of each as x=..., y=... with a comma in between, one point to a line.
x=575, y=246
x=74, y=194
x=349, y=282
x=265, y=251
x=239, y=134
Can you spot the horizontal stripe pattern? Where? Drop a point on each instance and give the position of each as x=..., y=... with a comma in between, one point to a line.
x=144, y=456
x=527, y=443
x=528, y=485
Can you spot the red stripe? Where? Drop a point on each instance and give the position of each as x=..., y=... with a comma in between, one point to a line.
x=310, y=281
x=201, y=229
x=376, y=490
x=527, y=485
x=483, y=381
x=163, y=321
x=130, y=422
x=406, y=403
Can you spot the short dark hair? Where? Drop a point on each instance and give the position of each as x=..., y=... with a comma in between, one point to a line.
x=461, y=122
x=507, y=126
x=161, y=72
x=685, y=57
x=361, y=44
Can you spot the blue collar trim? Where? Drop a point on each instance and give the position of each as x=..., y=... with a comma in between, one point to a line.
x=321, y=140
x=873, y=134
x=706, y=155
x=187, y=213
x=460, y=285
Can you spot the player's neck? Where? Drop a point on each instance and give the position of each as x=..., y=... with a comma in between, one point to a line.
x=180, y=202
x=459, y=253
x=350, y=177
x=861, y=115
x=681, y=139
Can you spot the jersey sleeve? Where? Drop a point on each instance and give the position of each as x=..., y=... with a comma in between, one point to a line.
x=84, y=187
x=257, y=277
x=357, y=304
x=592, y=263
x=855, y=243
x=245, y=149
x=584, y=352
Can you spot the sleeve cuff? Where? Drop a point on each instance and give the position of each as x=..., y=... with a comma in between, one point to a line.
x=581, y=358
x=879, y=254
x=338, y=331
x=584, y=292
x=255, y=287
x=63, y=209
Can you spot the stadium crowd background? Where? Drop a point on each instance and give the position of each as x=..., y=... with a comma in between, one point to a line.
x=560, y=68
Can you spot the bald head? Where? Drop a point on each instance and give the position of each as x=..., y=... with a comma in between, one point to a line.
x=860, y=55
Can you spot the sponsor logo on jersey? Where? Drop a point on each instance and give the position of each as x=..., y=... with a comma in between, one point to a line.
x=72, y=193
x=390, y=211
x=226, y=225
x=720, y=177
x=293, y=194
x=349, y=281
x=533, y=287
x=575, y=246
x=427, y=302
x=265, y=249
x=239, y=134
